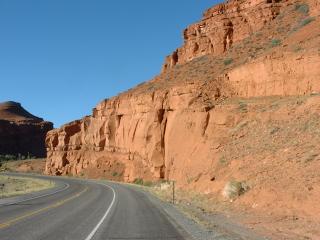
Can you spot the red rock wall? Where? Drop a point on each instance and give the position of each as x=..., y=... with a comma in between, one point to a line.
x=173, y=132
x=134, y=130
x=21, y=133
x=25, y=138
x=222, y=26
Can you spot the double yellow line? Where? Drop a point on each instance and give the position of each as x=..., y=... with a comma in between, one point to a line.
x=55, y=205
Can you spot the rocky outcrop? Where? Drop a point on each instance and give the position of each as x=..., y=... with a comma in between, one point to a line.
x=233, y=108
x=175, y=126
x=172, y=133
x=138, y=132
x=222, y=26
x=21, y=133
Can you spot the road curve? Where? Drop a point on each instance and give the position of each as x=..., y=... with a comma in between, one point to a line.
x=87, y=210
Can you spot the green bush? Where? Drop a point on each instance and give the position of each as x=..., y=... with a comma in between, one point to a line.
x=138, y=181
x=227, y=61
x=301, y=24
x=114, y=174
x=302, y=8
x=275, y=42
x=7, y=157
x=306, y=21
x=297, y=48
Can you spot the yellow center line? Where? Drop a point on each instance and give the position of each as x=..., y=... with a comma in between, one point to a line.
x=55, y=205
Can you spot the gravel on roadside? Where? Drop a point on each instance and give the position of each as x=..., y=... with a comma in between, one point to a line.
x=192, y=228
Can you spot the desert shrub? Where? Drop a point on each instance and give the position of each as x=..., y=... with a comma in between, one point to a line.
x=148, y=183
x=239, y=126
x=223, y=160
x=306, y=21
x=7, y=157
x=227, y=61
x=301, y=24
x=297, y=48
x=274, y=130
x=201, y=59
x=114, y=174
x=275, y=42
x=302, y=8
x=234, y=189
x=243, y=107
x=138, y=181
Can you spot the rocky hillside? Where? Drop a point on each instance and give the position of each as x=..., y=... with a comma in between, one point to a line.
x=21, y=133
x=239, y=49
x=237, y=103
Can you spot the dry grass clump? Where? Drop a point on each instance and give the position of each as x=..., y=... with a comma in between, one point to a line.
x=234, y=189
x=12, y=186
x=25, y=166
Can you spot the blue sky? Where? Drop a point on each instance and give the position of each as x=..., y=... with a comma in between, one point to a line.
x=59, y=58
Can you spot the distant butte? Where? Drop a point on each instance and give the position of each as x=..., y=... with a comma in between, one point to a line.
x=21, y=132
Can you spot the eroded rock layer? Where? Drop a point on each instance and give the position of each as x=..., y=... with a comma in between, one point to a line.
x=176, y=125
x=222, y=26
x=21, y=133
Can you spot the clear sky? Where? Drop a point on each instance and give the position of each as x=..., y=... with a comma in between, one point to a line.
x=59, y=58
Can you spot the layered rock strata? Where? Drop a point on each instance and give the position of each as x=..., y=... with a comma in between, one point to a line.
x=222, y=26
x=174, y=129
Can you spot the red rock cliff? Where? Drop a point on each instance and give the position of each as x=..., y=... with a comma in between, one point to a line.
x=174, y=126
x=222, y=26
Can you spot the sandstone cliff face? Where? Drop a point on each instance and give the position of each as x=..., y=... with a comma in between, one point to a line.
x=169, y=128
x=21, y=132
x=135, y=131
x=173, y=133
x=222, y=26
x=238, y=101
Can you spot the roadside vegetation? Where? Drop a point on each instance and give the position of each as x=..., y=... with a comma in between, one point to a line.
x=13, y=186
x=12, y=157
x=25, y=166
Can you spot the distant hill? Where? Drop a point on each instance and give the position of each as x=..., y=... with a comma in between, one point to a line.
x=13, y=111
x=21, y=133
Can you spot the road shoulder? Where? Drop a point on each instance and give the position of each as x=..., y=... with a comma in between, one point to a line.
x=230, y=230
x=57, y=186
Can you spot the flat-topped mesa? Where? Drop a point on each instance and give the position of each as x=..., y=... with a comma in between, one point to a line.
x=222, y=26
x=21, y=133
x=13, y=111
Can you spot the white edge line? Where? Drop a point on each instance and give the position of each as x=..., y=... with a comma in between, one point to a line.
x=45, y=195
x=90, y=236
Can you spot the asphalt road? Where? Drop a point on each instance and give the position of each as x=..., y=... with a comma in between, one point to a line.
x=85, y=210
